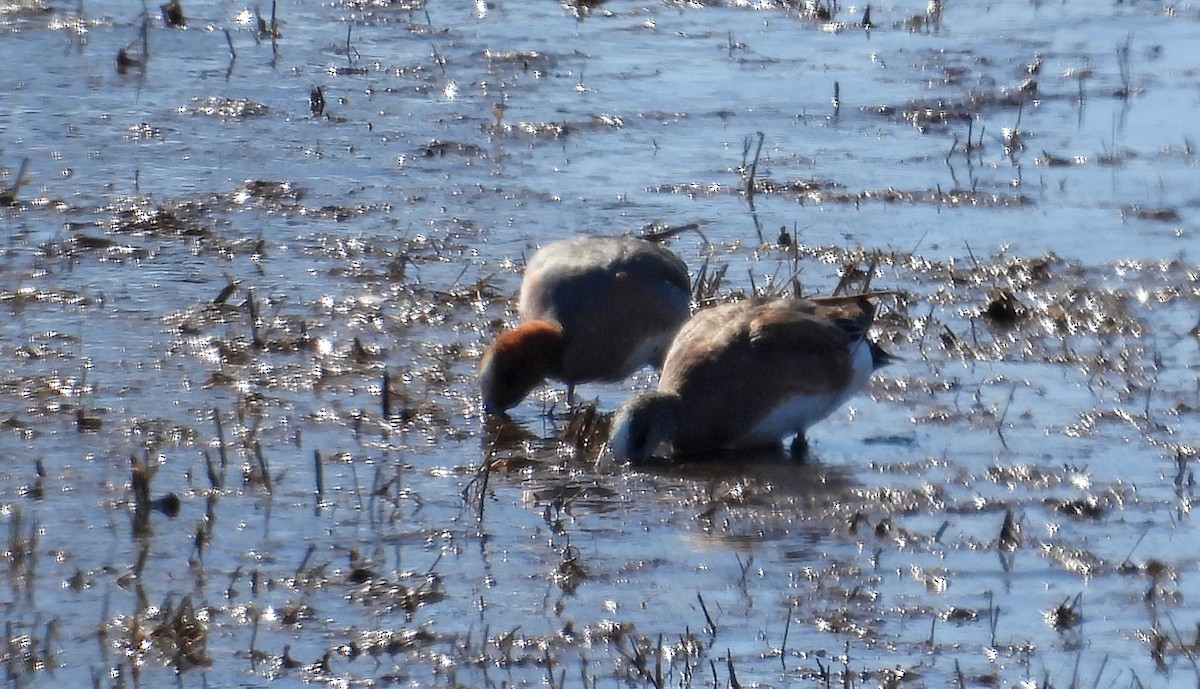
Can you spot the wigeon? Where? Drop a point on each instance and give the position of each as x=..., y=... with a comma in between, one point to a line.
x=591, y=309
x=751, y=373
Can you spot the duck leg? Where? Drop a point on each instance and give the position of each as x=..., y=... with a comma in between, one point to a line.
x=799, y=448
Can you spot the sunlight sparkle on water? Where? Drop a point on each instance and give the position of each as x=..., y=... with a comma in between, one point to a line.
x=322, y=346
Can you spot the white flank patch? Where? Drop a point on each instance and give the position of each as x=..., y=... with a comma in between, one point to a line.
x=864, y=366
x=794, y=416
x=798, y=413
x=644, y=354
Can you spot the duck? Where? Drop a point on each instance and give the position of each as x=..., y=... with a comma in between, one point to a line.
x=748, y=374
x=590, y=308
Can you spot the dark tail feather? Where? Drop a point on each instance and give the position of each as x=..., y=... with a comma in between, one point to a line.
x=880, y=357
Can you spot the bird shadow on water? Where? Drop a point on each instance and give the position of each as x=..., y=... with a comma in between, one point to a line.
x=773, y=465
x=740, y=500
x=572, y=466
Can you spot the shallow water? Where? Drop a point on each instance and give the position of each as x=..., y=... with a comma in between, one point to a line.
x=1010, y=506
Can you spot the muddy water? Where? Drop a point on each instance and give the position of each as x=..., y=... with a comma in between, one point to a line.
x=208, y=280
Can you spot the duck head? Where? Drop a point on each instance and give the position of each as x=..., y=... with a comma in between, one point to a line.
x=517, y=362
x=641, y=424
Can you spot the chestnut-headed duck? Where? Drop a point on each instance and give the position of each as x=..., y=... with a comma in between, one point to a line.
x=591, y=309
